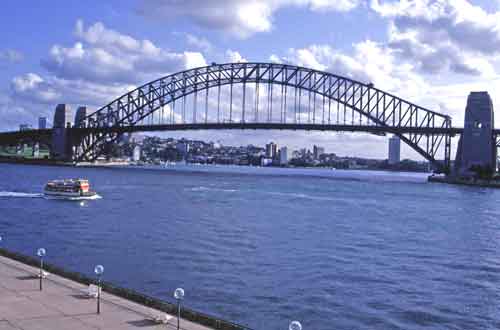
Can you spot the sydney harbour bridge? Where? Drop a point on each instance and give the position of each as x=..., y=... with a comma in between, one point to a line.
x=268, y=96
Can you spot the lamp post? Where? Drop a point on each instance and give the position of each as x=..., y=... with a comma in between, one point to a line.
x=295, y=325
x=98, y=270
x=178, y=295
x=41, y=253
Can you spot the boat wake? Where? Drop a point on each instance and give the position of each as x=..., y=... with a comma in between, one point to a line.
x=14, y=194
x=202, y=188
x=64, y=198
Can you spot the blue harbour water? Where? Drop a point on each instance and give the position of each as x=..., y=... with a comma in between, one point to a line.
x=261, y=247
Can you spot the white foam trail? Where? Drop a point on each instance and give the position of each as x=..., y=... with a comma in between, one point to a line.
x=13, y=194
x=303, y=196
x=201, y=188
x=89, y=198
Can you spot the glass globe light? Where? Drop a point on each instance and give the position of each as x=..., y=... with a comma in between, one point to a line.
x=99, y=269
x=41, y=252
x=179, y=293
x=295, y=325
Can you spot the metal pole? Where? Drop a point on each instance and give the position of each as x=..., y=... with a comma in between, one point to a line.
x=178, y=313
x=41, y=272
x=99, y=295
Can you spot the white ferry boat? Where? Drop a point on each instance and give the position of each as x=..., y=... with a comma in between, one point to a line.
x=70, y=188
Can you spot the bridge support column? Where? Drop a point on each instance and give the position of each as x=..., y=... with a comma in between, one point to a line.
x=61, y=146
x=476, y=150
x=81, y=113
x=80, y=122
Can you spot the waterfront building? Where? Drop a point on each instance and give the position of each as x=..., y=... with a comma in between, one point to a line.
x=318, y=151
x=42, y=122
x=271, y=150
x=283, y=156
x=394, y=150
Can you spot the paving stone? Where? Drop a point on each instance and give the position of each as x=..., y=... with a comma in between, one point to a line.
x=5, y=325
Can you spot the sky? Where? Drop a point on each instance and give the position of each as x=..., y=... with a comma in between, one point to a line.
x=430, y=52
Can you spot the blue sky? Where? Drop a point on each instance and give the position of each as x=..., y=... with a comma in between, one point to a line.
x=432, y=52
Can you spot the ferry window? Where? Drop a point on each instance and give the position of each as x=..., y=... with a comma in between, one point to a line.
x=478, y=124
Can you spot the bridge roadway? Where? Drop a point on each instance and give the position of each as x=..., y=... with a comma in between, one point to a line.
x=61, y=305
x=14, y=136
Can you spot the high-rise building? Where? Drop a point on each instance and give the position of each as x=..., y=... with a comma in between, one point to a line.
x=271, y=150
x=42, y=123
x=283, y=156
x=394, y=150
x=318, y=151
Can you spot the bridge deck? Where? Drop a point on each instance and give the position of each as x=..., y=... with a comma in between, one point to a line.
x=15, y=135
x=61, y=305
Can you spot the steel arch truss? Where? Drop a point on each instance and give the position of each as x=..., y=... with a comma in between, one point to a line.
x=369, y=106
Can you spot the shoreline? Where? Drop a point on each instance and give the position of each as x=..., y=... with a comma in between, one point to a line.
x=31, y=161
x=128, y=294
x=48, y=162
x=464, y=182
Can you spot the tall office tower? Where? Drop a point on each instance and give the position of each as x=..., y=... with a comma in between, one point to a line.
x=394, y=150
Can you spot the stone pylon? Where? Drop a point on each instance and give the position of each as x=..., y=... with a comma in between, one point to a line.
x=477, y=147
x=61, y=148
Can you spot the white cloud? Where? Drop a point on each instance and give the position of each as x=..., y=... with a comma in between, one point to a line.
x=383, y=69
x=336, y=5
x=106, y=56
x=234, y=57
x=275, y=59
x=34, y=93
x=26, y=82
x=443, y=35
x=240, y=18
x=98, y=35
x=32, y=87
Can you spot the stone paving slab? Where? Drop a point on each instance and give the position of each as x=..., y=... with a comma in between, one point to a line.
x=5, y=325
x=62, y=305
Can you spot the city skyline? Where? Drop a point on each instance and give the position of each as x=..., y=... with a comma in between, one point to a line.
x=153, y=150
x=429, y=52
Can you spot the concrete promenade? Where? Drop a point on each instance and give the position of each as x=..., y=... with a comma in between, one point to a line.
x=62, y=305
